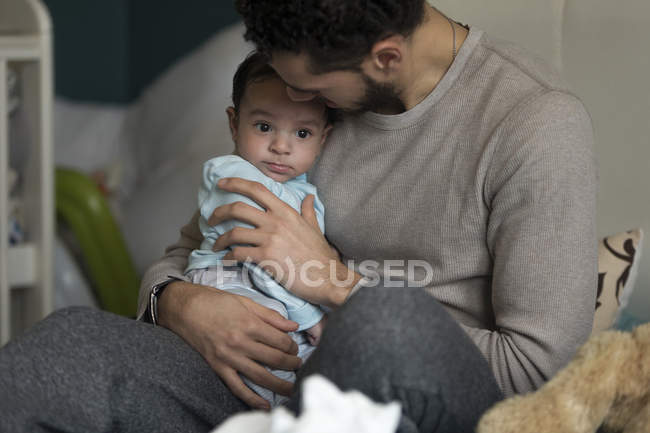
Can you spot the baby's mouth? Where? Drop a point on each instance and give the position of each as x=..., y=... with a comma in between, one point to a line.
x=278, y=168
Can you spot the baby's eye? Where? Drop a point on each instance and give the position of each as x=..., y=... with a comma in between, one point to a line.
x=263, y=127
x=303, y=133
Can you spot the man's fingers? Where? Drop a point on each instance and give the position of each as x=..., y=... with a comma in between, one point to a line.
x=273, y=330
x=274, y=358
x=238, y=235
x=243, y=254
x=264, y=378
x=237, y=210
x=308, y=212
x=272, y=317
x=237, y=386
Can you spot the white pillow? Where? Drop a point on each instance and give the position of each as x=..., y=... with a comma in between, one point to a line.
x=618, y=261
x=180, y=122
x=183, y=112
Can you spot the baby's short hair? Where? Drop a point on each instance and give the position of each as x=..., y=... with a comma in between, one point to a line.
x=254, y=68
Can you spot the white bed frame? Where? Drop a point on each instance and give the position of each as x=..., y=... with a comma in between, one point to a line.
x=26, y=269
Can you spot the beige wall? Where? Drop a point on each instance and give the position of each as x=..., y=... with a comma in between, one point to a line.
x=603, y=49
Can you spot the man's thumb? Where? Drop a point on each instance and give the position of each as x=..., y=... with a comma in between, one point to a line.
x=308, y=211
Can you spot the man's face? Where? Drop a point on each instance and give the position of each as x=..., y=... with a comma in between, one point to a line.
x=280, y=137
x=351, y=91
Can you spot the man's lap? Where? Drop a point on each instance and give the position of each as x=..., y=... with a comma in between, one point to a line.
x=100, y=372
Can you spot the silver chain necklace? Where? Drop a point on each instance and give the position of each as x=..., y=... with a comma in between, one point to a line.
x=453, y=29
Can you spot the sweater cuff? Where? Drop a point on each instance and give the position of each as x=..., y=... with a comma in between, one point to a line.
x=151, y=313
x=363, y=282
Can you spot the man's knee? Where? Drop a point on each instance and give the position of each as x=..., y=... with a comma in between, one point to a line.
x=377, y=312
x=401, y=344
x=406, y=329
x=379, y=322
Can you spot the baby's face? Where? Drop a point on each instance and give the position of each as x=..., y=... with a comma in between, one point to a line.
x=280, y=137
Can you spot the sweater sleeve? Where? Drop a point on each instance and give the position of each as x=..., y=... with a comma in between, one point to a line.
x=541, y=194
x=172, y=265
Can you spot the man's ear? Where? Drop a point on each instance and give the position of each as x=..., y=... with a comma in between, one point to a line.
x=233, y=122
x=386, y=57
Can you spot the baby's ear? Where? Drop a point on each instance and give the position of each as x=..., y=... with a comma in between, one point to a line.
x=233, y=122
x=326, y=132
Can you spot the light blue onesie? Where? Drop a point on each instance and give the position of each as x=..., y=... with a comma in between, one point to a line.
x=292, y=192
x=205, y=266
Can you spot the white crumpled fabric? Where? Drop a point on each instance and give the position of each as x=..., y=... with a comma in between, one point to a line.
x=325, y=410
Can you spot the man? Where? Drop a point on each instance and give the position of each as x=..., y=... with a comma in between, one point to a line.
x=456, y=151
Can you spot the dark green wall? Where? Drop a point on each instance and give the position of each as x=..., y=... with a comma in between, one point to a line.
x=109, y=50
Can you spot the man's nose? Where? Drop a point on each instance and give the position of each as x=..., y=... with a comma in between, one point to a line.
x=298, y=96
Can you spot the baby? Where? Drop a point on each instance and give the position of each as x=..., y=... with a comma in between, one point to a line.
x=276, y=141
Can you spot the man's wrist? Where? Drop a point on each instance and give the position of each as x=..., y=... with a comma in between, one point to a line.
x=155, y=297
x=362, y=282
x=339, y=293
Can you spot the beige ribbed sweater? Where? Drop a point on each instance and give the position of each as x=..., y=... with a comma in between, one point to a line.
x=491, y=180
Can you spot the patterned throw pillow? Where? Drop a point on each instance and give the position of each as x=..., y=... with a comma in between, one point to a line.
x=618, y=260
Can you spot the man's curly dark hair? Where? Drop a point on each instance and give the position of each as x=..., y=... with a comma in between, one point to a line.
x=336, y=34
x=255, y=68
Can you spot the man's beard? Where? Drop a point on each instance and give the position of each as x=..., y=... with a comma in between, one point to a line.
x=379, y=98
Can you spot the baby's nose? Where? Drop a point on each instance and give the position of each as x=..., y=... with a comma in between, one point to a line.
x=281, y=144
x=298, y=96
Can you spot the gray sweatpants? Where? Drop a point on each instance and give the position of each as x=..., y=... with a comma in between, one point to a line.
x=83, y=370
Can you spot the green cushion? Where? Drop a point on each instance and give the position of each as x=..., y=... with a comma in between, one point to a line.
x=81, y=205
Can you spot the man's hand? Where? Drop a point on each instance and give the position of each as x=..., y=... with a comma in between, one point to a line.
x=234, y=334
x=288, y=245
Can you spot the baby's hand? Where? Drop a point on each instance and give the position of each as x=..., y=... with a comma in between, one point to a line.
x=314, y=333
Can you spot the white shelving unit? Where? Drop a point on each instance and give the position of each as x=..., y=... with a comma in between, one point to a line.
x=26, y=268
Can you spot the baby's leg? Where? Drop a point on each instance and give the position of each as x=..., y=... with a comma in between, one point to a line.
x=230, y=279
x=303, y=346
x=232, y=282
